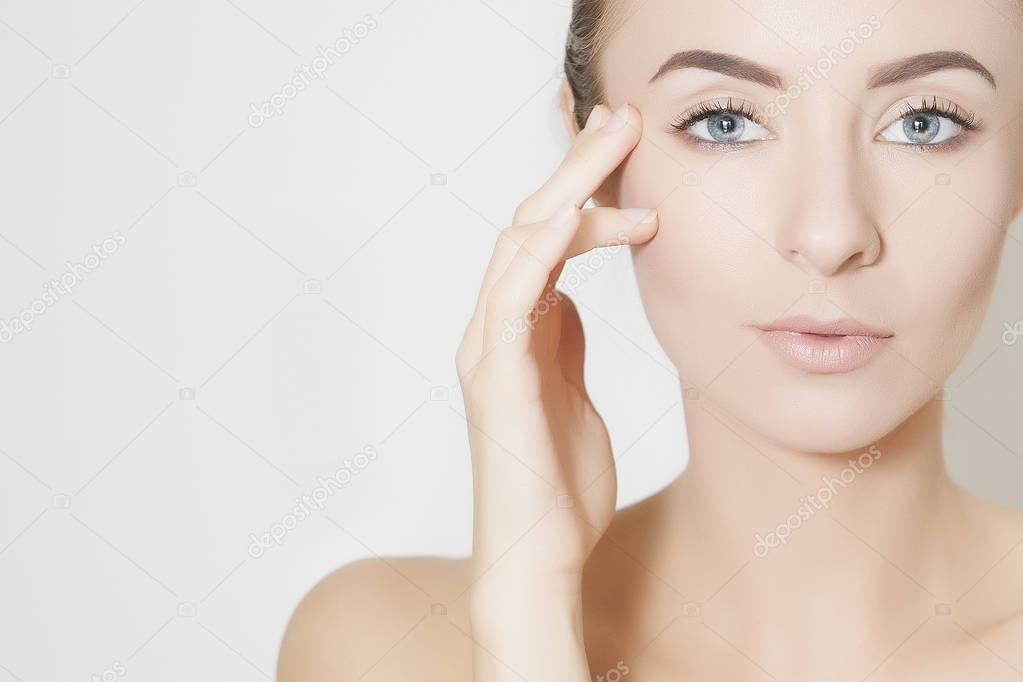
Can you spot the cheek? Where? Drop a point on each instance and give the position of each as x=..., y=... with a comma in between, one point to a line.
x=694, y=278
x=702, y=277
x=944, y=258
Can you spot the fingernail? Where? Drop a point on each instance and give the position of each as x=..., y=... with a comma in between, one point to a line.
x=618, y=121
x=563, y=217
x=638, y=216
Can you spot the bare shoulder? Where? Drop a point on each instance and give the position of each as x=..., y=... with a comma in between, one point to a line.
x=991, y=611
x=382, y=619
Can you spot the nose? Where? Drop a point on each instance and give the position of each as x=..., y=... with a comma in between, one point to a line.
x=830, y=227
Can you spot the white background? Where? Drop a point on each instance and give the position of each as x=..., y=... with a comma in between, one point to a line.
x=288, y=294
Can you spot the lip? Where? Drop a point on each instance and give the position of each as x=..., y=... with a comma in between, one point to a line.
x=824, y=347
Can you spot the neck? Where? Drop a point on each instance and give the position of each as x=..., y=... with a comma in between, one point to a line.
x=852, y=535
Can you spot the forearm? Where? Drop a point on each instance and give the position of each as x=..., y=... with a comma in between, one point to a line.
x=528, y=632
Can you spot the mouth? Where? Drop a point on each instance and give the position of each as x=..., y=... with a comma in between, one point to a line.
x=824, y=347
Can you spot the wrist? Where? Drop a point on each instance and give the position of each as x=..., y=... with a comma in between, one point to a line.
x=516, y=607
x=531, y=625
x=492, y=590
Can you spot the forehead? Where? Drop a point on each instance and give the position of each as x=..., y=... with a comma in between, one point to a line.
x=787, y=35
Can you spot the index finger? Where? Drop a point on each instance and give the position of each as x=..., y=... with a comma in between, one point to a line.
x=600, y=148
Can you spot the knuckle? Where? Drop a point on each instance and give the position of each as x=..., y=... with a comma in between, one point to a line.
x=509, y=240
x=466, y=358
x=509, y=235
x=528, y=209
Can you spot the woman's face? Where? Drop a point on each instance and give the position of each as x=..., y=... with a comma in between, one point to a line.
x=821, y=196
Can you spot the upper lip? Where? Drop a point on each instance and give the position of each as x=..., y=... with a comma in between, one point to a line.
x=808, y=325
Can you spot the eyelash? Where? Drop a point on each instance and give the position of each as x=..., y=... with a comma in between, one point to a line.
x=707, y=109
x=950, y=110
x=683, y=122
x=967, y=120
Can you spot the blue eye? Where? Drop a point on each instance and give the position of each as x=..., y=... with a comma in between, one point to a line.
x=922, y=128
x=728, y=128
x=721, y=123
x=930, y=124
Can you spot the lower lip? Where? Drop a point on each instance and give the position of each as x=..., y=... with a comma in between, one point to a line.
x=823, y=354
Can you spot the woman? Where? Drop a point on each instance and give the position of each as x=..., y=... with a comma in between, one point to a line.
x=815, y=195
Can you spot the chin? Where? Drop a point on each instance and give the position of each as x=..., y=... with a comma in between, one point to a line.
x=815, y=413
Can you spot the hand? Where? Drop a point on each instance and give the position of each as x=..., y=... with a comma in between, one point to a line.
x=543, y=468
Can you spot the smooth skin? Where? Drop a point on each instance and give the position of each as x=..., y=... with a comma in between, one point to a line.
x=904, y=575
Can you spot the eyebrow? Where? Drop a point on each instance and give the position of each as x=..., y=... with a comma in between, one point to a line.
x=894, y=72
x=728, y=64
x=923, y=64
